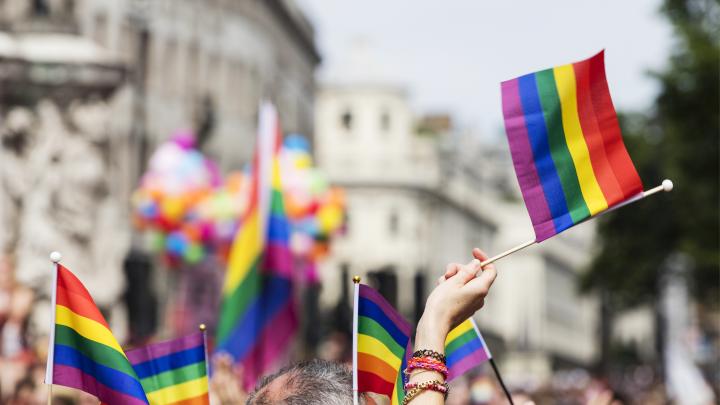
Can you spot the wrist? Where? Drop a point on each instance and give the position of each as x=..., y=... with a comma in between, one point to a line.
x=431, y=333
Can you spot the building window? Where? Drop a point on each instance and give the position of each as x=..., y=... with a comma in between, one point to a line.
x=100, y=32
x=346, y=120
x=563, y=303
x=394, y=223
x=385, y=121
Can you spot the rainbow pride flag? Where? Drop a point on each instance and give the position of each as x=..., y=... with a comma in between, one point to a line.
x=465, y=349
x=257, y=316
x=83, y=353
x=566, y=145
x=380, y=341
x=173, y=372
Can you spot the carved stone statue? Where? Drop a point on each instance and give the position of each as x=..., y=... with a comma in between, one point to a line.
x=57, y=190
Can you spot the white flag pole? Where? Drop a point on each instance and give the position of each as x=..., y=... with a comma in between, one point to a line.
x=356, y=299
x=55, y=257
x=667, y=186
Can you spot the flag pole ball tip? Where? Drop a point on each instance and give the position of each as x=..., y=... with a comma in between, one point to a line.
x=202, y=326
x=55, y=257
x=667, y=185
x=356, y=279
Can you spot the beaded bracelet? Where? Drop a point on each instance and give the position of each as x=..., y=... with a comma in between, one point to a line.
x=435, y=385
x=425, y=386
x=430, y=353
x=426, y=363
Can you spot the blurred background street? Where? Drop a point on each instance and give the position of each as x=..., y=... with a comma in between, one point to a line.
x=398, y=164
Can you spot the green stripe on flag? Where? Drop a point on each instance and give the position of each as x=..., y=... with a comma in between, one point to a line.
x=368, y=326
x=461, y=340
x=173, y=377
x=277, y=205
x=550, y=101
x=235, y=305
x=98, y=352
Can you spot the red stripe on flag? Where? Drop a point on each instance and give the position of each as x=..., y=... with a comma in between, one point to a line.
x=593, y=137
x=73, y=295
x=369, y=382
x=620, y=161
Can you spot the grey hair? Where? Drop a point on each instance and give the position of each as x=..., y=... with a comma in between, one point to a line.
x=314, y=382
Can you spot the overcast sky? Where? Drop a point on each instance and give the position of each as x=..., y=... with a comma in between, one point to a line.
x=451, y=55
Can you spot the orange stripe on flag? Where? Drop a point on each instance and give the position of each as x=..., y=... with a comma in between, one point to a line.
x=199, y=400
x=372, y=364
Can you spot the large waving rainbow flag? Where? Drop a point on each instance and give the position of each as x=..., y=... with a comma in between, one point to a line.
x=257, y=317
x=83, y=352
x=381, y=338
x=465, y=349
x=173, y=372
x=566, y=145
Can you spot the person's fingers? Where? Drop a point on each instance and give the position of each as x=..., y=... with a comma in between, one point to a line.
x=441, y=280
x=452, y=269
x=481, y=284
x=482, y=256
x=469, y=271
x=479, y=254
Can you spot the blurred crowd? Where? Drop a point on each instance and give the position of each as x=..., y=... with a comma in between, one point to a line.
x=23, y=351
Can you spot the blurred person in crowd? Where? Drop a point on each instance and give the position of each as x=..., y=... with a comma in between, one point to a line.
x=15, y=306
x=24, y=393
x=225, y=388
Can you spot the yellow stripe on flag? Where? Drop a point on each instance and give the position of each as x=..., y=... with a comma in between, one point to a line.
x=246, y=249
x=459, y=330
x=589, y=187
x=370, y=345
x=86, y=327
x=276, y=181
x=179, y=392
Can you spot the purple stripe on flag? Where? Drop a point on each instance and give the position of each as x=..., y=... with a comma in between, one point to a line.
x=473, y=360
x=379, y=300
x=271, y=344
x=278, y=259
x=524, y=161
x=75, y=378
x=153, y=351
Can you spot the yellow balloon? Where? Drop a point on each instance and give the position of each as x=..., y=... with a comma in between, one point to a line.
x=172, y=208
x=329, y=218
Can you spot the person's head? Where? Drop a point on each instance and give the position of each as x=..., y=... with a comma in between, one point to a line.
x=314, y=382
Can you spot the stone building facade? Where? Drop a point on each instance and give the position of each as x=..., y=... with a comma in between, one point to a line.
x=89, y=88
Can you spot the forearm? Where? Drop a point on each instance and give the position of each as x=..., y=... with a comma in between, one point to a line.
x=430, y=335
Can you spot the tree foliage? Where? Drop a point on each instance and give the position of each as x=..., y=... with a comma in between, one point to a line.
x=678, y=139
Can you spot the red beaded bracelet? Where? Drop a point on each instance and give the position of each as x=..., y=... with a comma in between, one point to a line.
x=426, y=363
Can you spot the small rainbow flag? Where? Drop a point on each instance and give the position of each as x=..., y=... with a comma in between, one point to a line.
x=380, y=339
x=83, y=353
x=258, y=315
x=566, y=145
x=173, y=372
x=465, y=349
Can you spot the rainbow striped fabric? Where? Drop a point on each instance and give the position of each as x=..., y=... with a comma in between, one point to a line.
x=83, y=352
x=382, y=340
x=258, y=317
x=566, y=145
x=465, y=349
x=173, y=372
